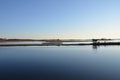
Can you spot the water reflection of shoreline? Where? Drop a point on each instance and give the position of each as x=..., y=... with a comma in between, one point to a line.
x=95, y=46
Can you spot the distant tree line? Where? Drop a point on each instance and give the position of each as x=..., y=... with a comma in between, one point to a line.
x=2, y=39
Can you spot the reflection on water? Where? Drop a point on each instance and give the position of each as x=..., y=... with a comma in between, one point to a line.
x=95, y=47
x=60, y=63
x=22, y=42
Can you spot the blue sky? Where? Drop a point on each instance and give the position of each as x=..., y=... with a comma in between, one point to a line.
x=60, y=19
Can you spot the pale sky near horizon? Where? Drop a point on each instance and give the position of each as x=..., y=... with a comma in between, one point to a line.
x=60, y=19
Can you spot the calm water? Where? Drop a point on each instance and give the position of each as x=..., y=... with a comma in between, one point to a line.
x=24, y=42
x=60, y=63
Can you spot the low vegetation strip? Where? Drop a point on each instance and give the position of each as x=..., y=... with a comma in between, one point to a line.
x=81, y=44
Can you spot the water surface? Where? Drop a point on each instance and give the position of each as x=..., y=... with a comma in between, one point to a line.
x=60, y=63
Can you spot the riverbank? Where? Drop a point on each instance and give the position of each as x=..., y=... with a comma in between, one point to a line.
x=80, y=44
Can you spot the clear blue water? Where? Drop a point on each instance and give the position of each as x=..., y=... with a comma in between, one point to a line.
x=60, y=63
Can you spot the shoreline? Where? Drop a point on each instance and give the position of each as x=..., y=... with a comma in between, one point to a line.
x=81, y=44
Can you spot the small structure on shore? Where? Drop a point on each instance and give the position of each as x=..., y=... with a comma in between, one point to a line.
x=102, y=40
x=94, y=40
